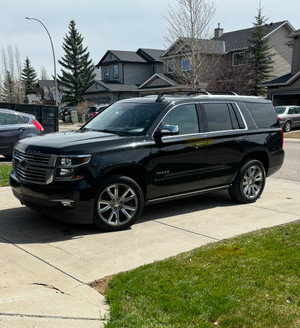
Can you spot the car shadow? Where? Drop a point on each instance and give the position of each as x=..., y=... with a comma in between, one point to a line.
x=23, y=226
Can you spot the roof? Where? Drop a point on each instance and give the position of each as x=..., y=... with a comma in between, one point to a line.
x=282, y=80
x=142, y=55
x=240, y=39
x=114, y=86
x=201, y=45
x=46, y=83
x=150, y=54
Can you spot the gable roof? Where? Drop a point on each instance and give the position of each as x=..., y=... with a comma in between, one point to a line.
x=123, y=56
x=201, y=45
x=158, y=76
x=240, y=39
x=139, y=56
x=150, y=54
x=110, y=87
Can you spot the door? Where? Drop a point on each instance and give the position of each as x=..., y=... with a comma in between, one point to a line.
x=179, y=161
x=12, y=128
x=227, y=140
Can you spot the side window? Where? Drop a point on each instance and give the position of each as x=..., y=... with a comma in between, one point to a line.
x=185, y=116
x=297, y=110
x=8, y=119
x=220, y=117
x=293, y=110
x=263, y=114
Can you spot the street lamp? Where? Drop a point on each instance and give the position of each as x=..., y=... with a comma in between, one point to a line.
x=55, y=80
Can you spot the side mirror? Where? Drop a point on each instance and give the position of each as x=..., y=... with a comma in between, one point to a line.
x=167, y=130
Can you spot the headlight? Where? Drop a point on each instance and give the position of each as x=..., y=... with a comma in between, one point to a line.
x=69, y=168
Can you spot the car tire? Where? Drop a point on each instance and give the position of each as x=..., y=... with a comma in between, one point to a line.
x=119, y=203
x=249, y=182
x=287, y=126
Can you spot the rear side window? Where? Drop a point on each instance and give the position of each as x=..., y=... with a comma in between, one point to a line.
x=221, y=117
x=263, y=114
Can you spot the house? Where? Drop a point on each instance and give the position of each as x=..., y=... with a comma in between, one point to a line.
x=122, y=72
x=229, y=50
x=285, y=90
x=126, y=74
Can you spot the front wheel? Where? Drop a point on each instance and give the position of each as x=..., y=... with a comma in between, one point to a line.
x=119, y=203
x=249, y=182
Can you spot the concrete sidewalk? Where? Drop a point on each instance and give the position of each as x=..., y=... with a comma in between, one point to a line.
x=46, y=265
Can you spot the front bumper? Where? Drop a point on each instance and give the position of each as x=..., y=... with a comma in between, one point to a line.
x=70, y=202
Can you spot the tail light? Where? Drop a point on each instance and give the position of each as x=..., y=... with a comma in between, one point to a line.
x=38, y=125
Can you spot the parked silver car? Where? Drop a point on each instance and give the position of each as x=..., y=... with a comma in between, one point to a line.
x=289, y=117
x=15, y=126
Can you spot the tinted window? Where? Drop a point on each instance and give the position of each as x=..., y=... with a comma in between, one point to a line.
x=185, y=116
x=293, y=110
x=218, y=117
x=263, y=114
x=10, y=119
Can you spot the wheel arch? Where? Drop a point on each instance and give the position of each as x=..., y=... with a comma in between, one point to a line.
x=261, y=156
x=135, y=172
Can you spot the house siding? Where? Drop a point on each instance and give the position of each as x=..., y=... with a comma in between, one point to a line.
x=136, y=73
x=282, y=53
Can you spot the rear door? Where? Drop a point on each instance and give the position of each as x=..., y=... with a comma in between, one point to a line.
x=12, y=129
x=226, y=141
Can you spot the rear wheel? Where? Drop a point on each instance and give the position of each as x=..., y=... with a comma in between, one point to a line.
x=249, y=182
x=287, y=126
x=119, y=203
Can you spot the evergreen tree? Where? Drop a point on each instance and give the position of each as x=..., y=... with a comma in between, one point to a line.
x=8, y=88
x=78, y=69
x=29, y=77
x=261, y=64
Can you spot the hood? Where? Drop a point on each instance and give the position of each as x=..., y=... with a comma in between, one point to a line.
x=77, y=142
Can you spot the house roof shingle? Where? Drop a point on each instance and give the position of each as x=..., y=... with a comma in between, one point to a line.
x=240, y=39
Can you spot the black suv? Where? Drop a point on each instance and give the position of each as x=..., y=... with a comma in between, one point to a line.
x=145, y=150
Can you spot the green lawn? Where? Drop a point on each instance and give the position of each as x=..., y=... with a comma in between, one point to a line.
x=249, y=281
x=5, y=169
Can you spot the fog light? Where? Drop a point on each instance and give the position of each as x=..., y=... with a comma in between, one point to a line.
x=66, y=173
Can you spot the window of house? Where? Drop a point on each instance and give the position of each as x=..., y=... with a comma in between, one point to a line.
x=116, y=70
x=238, y=59
x=185, y=116
x=106, y=72
x=186, y=65
x=171, y=66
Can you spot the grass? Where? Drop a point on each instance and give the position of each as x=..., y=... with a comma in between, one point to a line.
x=249, y=281
x=294, y=134
x=5, y=170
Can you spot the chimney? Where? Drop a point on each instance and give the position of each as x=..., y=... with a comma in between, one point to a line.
x=296, y=52
x=218, y=32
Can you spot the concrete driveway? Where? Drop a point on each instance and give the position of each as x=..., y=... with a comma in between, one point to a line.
x=46, y=265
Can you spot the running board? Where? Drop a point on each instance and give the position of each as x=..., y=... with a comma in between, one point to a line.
x=193, y=193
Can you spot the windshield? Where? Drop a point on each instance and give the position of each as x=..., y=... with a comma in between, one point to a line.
x=279, y=110
x=125, y=118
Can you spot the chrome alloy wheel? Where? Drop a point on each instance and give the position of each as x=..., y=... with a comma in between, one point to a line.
x=252, y=182
x=117, y=204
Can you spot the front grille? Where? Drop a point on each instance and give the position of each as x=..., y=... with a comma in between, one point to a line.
x=34, y=167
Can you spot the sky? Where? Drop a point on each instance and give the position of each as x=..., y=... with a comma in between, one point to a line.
x=114, y=24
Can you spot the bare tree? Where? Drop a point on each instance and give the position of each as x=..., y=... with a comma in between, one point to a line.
x=44, y=75
x=189, y=25
x=11, y=63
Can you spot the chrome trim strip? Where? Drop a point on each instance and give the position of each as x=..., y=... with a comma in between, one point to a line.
x=187, y=194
